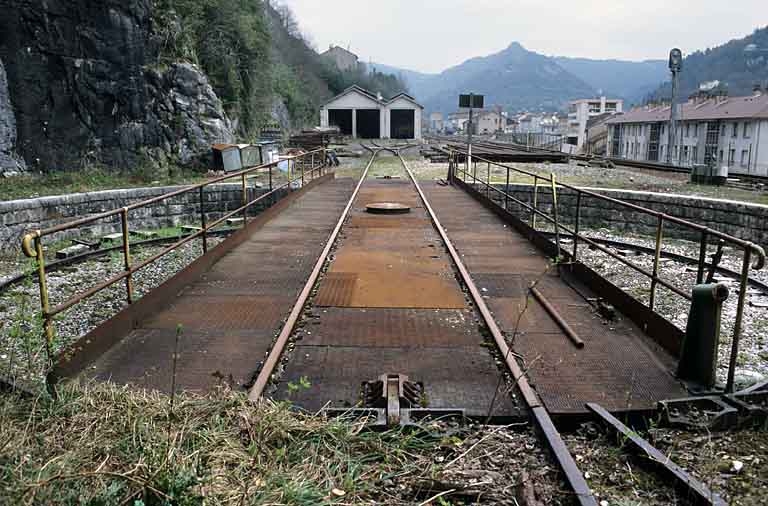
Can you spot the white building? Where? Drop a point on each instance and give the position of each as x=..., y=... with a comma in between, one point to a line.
x=581, y=110
x=721, y=131
x=436, y=122
x=361, y=114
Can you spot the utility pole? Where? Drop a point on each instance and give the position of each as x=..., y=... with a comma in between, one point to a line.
x=471, y=101
x=675, y=66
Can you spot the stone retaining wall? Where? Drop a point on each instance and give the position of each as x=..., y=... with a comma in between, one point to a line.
x=20, y=216
x=744, y=220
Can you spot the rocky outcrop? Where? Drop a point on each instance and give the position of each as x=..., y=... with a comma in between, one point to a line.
x=10, y=163
x=87, y=86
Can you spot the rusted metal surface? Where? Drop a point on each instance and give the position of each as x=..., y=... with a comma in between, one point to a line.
x=565, y=461
x=618, y=367
x=453, y=376
x=226, y=317
x=692, y=490
x=390, y=304
x=387, y=208
x=555, y=315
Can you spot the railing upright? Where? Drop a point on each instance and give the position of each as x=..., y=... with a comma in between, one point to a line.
x=127, y=255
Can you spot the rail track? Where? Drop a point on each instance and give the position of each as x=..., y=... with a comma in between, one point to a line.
x=392, y=392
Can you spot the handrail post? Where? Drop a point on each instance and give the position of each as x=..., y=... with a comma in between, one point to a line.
x=702, y=258
x=312, y=165
x=743, y=285
x=506, y=193
x=271, y=196
x=488, y=188
x=203, y=223
x=535, y=201
x=577, y=226
x=555, y=213
x=45, y=304
x=656, y=260
x=302, y=172
x=127, y=255
x=245, y=201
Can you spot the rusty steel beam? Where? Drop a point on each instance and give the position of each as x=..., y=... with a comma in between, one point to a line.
x=572, y=335
x=696, y=492
x=565, y=460
x=265, y=374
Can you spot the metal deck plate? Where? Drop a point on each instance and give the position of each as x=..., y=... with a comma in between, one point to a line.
x=230, y=315
x=391, y=327
x=618, y=367
x=335, y=374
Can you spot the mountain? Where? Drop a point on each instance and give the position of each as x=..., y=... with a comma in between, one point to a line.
x=514, y=78
x=629, y=80
x=737, y=68
x=517, y=78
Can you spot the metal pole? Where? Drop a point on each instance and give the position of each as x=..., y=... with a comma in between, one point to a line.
x=656, y=259
x=535, y=201
x=245, y=202
x=272, y=197
x=127, y=255
x=44, y=301
x=555, y=213
x=506, y=193
x=469, y=133
x=576, y=228
x=737, y=324
x=702, y=258
x=488, y=188
x=302, y=172
x=203, y=224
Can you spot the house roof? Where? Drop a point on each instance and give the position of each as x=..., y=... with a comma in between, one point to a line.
x=339, y=48
x=748, y=107
x=357, y=89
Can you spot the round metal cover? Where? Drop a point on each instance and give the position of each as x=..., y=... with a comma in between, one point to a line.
x=387, y=208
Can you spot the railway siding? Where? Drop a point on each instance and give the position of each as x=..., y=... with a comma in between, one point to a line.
x=748, y=221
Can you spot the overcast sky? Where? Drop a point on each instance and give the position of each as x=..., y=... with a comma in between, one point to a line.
x=431, y=35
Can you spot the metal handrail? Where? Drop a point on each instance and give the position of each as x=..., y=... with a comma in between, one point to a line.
x=32, y=243
x=749, y=248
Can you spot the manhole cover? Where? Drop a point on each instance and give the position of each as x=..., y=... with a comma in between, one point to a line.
x=387, y=208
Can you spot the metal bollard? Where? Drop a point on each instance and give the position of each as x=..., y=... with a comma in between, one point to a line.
x=698, y=359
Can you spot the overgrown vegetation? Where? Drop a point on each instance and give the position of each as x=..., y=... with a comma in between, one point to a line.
x=256, y=56
x=99, y=444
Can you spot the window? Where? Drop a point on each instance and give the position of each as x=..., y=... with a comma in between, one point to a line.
x=722, y=133
x=696, y=130
x=685, y=153
x=731, y=156
x=720, y=158
x=747, y=130
x=688, y=130
x=663, y=129
x=693, y=154
x=735, y=132
x=744, y=156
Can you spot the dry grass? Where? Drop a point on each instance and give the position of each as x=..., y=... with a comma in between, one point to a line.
x=102, y=444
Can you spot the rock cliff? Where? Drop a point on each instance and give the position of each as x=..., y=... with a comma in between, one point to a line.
x=86, y=85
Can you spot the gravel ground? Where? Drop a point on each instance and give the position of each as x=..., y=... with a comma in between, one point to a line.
x=619, y=477
x=22, y=351
x=752, y=362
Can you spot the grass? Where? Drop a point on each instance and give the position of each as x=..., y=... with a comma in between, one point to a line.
x=103, y=444
x=59, y=183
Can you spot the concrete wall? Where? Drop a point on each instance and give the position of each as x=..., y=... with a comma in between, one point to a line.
x=744, y=220
x=17, y=217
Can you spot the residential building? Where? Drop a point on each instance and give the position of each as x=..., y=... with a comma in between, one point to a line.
x=436, y=122
x=342, y=58
x=489, y=121
x=711, y=130
x=596, y=140
x=361, y=114
x=581, y=110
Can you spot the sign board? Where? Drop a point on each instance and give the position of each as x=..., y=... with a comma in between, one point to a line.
x=473, y=101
